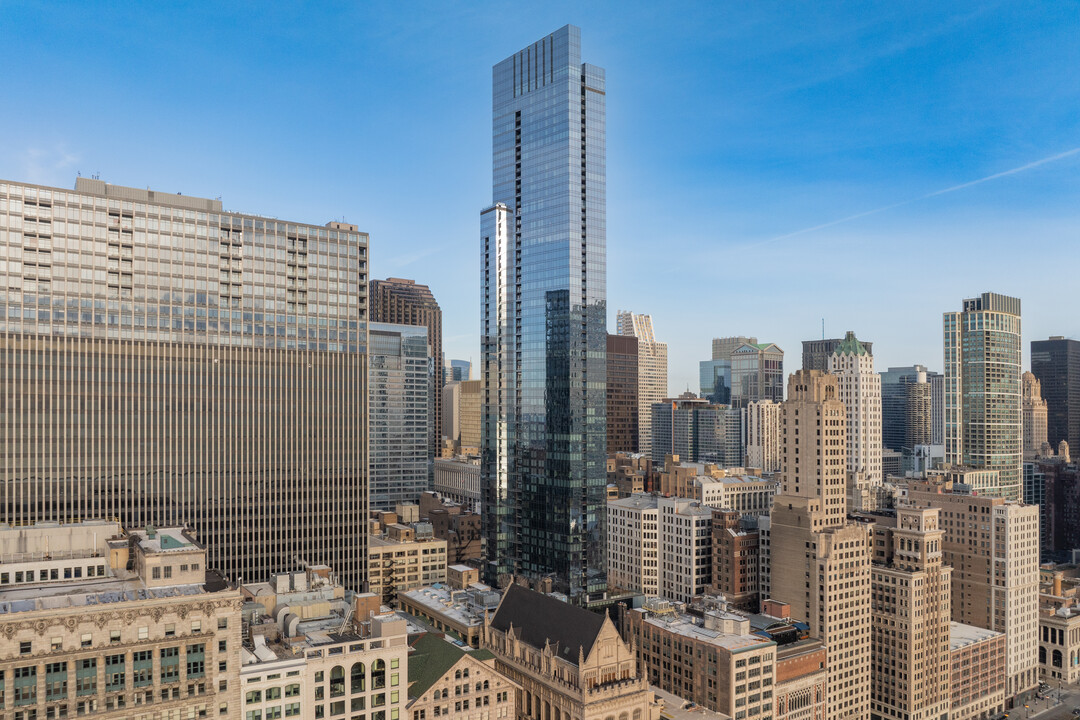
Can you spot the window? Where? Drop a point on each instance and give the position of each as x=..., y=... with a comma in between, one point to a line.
x=25, y=648
x=168, y=571
x=170, y=629
x=292, y=691
x=273, y=693
x=356, y=678
x=156, y=573
x=114, y=636
x=144, y=633
x=196, y=626
x=222, y=622
x=86, y=640
x=56, y=644
x=253, y=696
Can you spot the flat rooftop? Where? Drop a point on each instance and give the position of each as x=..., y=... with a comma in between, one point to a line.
x=961, y=635
x=85, y=593
x=676, y=708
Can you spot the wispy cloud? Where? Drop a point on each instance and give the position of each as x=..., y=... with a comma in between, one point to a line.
x=954, y=188
x=43, y=165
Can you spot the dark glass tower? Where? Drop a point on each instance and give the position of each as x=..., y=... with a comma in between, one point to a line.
x=544, y=320
x=1056, y=362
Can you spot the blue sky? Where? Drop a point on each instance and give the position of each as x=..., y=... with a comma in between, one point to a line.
x=733, y=129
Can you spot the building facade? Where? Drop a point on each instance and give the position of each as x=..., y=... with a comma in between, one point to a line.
x=983, y=420
x=696, y=431
x=819, y=561
x=399, y=415
x=910, y=407
x=1056, y=363
x=757, y=373
x=735, y=559
x=83, y=635
x=446, y=681
x=633, y=542
x=715, y=380
x=398, y=301
x=860, y=391
x=652, y=370
x=543, y=332
x=1033, y=409
x=816, y=353
x=623, y=413
x=761, y=420
x=976, y=672
x=403, y=558
x=127, y=301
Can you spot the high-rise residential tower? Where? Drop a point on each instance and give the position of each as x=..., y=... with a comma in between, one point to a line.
x=1034, y=412
x=652, y=371
x=761, y=422
x=911, y=407
x=860, y=391
x=405, y=302
x=543, y=319
x=820, y=561
x=1056, y=363
x=169, y=363
x=983, y=425
x=399, y=418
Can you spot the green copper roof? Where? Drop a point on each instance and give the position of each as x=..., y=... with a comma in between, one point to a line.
x=850, y=346
x=433, y=657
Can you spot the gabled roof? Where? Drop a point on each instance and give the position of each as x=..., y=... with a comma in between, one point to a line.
x=433, y=657
x=538, y=618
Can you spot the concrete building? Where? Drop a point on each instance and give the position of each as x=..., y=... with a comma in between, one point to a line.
x=399, y=380
x=458, y=479
x=976, y=672
x=1059, y=644
x=403, y=558
x=912, y=407
x=757, y=373
x=461, y=529
x=622, y=394
x=993, y=547
x=84, y=635
x=543, y=319
x=652, y=370
x=633, y=544
x=470, y=413
x=684, y=528
x=693, y=429
x=983, y=419
x=397, y=301
x=1033, y=408
x=820, y=562
x=172, y=293
x=761, y=421
x=569, y=662
x=1056, y=363
x=816, y=353
x=714, y=660
x=735, y=544
x=457, y=612
x=446, y=681
x=313, y=649
x=860, y=391
x=911, y=622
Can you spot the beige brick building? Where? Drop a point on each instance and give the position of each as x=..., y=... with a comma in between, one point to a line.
x=820, y=562
x=403, y=558
x=976, y=672
x=446, y=681
x=570, y=663
x=82, y=634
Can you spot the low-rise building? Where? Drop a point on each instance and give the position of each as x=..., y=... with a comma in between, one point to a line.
x=458, y=479
x=1059, y=644
x=448, y=681
x=568, y=662
x=83, y=635
x=313, y=650
x=403, y=558
x=977, y=679
x=456, y=612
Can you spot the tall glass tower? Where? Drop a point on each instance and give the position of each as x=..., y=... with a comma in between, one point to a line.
x=983, y=420
x=543, y=320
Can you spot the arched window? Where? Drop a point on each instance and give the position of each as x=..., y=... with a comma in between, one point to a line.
x=485, y=685
x=1057, y=658
x=1042, y=655
x=457, y=674
x=337, y=681
x=378, y=675
x=357, y=678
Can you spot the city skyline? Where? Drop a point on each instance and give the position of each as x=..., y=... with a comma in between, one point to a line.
x=812, y=116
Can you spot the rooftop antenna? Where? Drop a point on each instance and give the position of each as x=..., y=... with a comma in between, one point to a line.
x=822, y=328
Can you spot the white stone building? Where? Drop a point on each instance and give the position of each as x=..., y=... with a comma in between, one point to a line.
x=763, y=440
x=633, y=544
x=860, y=391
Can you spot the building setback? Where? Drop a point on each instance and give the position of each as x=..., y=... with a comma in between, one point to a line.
x=544, y=320
x=230, y=350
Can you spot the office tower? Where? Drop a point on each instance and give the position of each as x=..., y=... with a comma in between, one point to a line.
x=735, y=545
x=860, y=391
x=652, y=371
x=911, y=407
x=404, y=302
x=696, y=431
x=1033, y=408
x=684, y=530
x=992, y=546
x=470, y=413
x=450, y=423
x=622, y=394
x=722, y=348
x=458, y=370
x=633, y=544
x=911, y=623
x=543, y=326
x=816, y=353
x=715, y=380
x=982, y=388
x=1056, y=363
x=820, y=562
x=757, y=373
x=761, y=419
x=173, y=364
x=398, y=419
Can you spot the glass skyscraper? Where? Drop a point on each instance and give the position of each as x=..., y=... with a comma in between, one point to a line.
x=165, y=362
x=544, y=320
